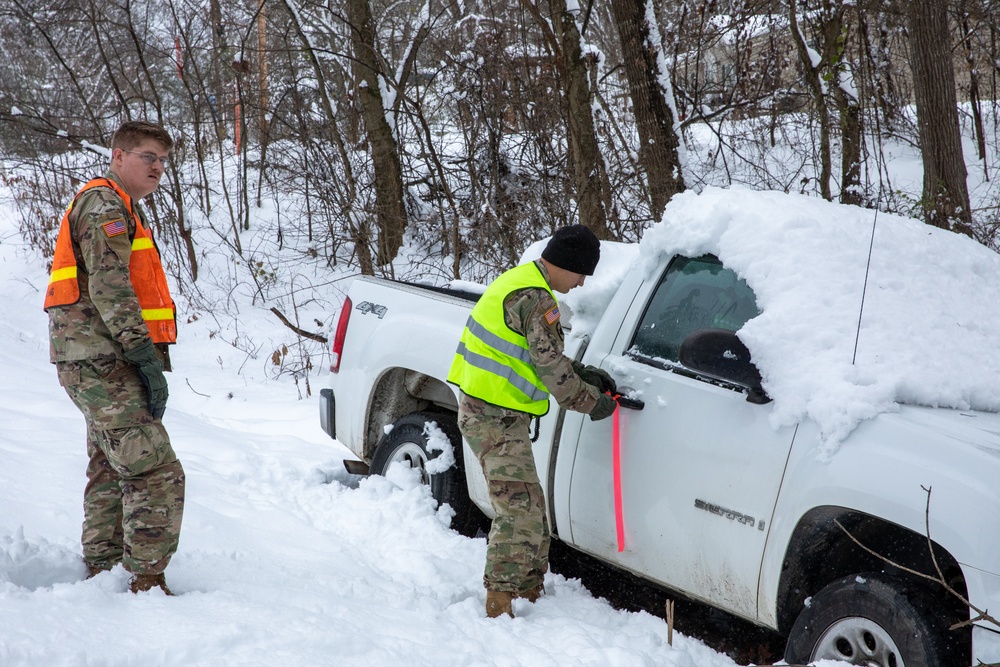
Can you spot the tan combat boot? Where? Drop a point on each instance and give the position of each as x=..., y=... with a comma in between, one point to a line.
x=94, y=570
x=498, y=603
x=532, y=594
x=145, y=582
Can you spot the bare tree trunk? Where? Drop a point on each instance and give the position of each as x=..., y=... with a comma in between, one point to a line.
x=587, y=165
x=946, y=193
x=974, y=96
x=836, y=32
x=815, y=81
x=263, y=127
x=218, y=53
x=262, y=124
x=830, y=76
x=357, y=224
x=389, y=203
x=850, y=149
x=658, y=141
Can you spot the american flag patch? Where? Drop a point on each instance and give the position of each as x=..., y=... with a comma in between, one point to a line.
x=552, y=316
x=115, y=227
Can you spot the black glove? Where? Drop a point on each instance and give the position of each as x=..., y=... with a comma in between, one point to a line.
x=151, y=373
x=604, y=408
x=598, y=377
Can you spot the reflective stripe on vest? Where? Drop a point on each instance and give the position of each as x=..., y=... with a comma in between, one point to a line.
x=145, y=271
x=63, y=287
x=492, y=361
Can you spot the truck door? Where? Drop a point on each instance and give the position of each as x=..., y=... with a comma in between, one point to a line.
x=700, y=465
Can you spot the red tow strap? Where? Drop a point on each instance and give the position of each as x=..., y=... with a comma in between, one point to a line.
x=616, y=468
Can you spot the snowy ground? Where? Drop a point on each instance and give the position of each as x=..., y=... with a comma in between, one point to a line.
x=284, y=558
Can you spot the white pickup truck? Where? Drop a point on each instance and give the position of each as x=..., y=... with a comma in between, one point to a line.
x=714, y=501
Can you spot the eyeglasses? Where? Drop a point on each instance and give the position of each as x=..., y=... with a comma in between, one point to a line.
x=150, y=158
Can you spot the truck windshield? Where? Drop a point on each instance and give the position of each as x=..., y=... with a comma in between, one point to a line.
x=692, y=294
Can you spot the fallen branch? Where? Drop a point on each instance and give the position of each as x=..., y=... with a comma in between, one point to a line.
x=193, y=389
x=319, y=338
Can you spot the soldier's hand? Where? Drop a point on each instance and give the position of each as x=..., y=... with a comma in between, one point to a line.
x=151, y=374
x=604, y=408
x=598, y=377
x=607, y=383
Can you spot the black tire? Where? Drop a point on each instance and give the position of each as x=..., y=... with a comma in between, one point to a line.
x=407, y=443
x=872, y=619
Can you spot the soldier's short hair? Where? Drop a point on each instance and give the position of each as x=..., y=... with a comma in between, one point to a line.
x=134, y=132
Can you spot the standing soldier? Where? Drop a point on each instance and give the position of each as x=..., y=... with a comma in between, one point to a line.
x=110, y=321
x=508, y=361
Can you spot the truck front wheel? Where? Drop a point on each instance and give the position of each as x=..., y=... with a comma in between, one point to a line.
x=869, y=619
x=407, y=443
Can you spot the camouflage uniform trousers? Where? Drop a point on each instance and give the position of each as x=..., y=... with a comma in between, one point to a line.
x=134, y=499
x=517, y=555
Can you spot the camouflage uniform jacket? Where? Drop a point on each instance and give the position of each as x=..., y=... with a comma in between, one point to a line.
x=107, y=319
x=524, y=312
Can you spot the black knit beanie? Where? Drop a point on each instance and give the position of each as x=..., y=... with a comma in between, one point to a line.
x=574, y=248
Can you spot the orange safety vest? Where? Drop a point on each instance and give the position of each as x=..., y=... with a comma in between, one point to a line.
x=145, y=270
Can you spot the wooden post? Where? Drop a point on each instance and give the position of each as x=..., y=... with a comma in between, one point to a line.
x=670, y=622
x=236, y=128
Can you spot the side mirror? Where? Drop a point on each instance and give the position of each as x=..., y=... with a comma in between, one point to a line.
x=720, y=354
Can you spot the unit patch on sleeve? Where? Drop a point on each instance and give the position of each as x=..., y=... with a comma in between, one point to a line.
x=552, y=316
x=115, y=227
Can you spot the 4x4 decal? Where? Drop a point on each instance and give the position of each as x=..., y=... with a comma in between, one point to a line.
x=369, y=307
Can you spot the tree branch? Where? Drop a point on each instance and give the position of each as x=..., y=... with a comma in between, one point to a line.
x=981, y=614
x=319, y=338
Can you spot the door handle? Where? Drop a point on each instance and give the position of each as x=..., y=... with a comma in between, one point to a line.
x=630, y=403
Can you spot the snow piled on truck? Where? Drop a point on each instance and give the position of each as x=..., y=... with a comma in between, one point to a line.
x=929, y=327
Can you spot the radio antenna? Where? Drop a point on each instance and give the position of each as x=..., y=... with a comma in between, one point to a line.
x=868, y=267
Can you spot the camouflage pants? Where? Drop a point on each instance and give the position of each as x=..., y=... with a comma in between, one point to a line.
x=134, y=498
x=517, y=555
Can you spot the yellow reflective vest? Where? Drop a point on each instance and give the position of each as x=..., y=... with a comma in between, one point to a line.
x=492, y=362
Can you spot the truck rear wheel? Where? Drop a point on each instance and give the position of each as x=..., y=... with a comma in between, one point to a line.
x=407, y=443
x=870, y=619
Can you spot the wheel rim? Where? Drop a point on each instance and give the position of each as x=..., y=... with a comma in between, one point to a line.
x=859, y=641
x=411, y=454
